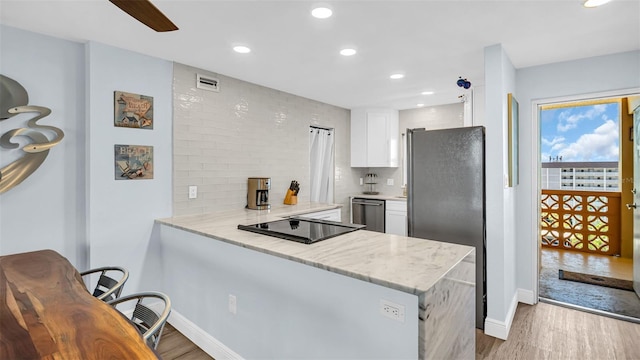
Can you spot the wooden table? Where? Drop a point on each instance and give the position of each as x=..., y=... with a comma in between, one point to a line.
x=47, y=313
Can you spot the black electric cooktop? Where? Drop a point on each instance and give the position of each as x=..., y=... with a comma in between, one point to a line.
x=302, y=230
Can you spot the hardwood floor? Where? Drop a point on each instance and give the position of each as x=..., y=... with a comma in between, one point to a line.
x=546, y=331
x=175, y=346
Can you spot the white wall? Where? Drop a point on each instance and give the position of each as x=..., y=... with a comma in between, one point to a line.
x=612, y=73
x=46, y=210
x=500, y=200
x=121, y=213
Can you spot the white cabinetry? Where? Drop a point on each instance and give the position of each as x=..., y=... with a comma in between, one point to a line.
x=396, y=217
x=331, y=215
x=374, y=138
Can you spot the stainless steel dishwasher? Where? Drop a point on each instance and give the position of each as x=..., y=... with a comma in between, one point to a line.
x=369, y=212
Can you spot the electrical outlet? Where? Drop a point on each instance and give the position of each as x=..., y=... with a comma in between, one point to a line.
x=233, y=304
x=390, y=182
x=193, y=192
x=392, y=310
x=361, y=181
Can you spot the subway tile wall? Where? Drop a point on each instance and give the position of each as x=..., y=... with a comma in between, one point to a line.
x=245, y=130
x=432, y=117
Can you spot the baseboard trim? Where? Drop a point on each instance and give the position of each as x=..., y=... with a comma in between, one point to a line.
x=206, y=342
x=526, y=296
x=500, y=329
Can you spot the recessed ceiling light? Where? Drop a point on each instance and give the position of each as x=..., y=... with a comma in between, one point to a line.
x=594, y=3
x=427, y=93
x=321, y=12
x=420, y=105
x=241, y=49
x=396, y=76
x=347, y=52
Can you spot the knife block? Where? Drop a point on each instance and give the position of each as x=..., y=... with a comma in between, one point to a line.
x=290, y=199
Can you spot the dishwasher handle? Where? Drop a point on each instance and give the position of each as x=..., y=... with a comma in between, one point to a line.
x=369, y=203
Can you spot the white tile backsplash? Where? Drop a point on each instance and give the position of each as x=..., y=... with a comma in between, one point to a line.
x=433, y=117
x=247, y=130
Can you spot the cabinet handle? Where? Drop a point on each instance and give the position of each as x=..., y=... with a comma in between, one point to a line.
x=632, y=206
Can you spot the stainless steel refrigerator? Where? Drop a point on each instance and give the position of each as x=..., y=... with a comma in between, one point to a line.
x=446, y=193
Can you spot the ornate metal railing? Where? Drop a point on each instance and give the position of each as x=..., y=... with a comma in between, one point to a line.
x=587, y=221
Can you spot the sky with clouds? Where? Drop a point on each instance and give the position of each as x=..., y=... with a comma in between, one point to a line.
x=582, y=133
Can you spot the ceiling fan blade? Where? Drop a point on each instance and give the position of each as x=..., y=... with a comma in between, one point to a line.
x=145, y=12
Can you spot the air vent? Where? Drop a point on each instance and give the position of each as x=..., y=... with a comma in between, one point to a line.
x=207, y=83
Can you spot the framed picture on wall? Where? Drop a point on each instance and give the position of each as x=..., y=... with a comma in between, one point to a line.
x=513, y=140
x=133, y=110
x=133, y=162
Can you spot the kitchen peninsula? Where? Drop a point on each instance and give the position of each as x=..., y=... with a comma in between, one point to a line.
x=358, y=295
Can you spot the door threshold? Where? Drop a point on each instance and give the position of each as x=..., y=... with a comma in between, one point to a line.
x=589, y=310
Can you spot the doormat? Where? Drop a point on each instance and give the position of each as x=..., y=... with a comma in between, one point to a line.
x=596, y=280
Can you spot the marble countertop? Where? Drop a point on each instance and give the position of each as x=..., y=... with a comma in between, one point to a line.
x=407, y=264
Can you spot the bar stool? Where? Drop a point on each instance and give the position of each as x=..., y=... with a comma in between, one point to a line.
x=108, y=288
x=149, y=322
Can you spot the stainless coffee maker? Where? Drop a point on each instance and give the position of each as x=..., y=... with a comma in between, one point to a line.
x=258, y=193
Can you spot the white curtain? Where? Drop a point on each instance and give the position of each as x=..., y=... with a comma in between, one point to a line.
x=321, y=160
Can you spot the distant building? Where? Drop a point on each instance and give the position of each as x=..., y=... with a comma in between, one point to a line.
x=587, y=176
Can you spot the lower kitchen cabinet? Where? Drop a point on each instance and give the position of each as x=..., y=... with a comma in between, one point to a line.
x=396, y=217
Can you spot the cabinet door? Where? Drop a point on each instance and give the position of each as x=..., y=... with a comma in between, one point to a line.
x=396, y=223
x=396, y=217
x=374, y=138
x=377, y=140
x=358, y=138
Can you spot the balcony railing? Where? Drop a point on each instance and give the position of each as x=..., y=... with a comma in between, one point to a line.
x=587, y=221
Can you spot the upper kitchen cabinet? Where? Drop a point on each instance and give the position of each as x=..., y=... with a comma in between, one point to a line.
x=374, y=138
